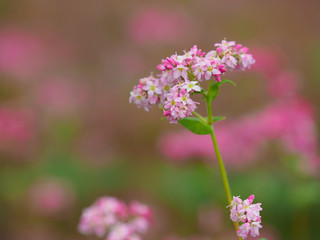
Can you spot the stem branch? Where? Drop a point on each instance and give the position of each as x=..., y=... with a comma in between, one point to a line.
x=200, y=117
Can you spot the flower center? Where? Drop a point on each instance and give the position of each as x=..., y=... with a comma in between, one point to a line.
x=166, y=88
x=152, y=88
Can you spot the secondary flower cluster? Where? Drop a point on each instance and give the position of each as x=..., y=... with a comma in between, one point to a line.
x=180, y=76
x=248, y=214
x=112, y=218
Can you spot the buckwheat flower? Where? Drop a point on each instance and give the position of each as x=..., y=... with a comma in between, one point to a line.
x=224, y=45
x=152, y=87
x=180, y=71
x=191, y=86
x=184, y=97
x=229, y=60
x=253, y=212
x=199, y=70
x=212, y=69
x=166, y=77
x=246, y=61
x=244, y=230
x=194, y=51
x=211, y=55
x=254, y=232
x=139, y=97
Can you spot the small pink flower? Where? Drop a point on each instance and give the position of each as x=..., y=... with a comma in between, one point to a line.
x=180, y=71
x=224, y=45
x=191, y=86
x=244, y=230
x=255, y=226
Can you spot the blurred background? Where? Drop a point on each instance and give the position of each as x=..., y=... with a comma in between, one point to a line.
x=68, y=134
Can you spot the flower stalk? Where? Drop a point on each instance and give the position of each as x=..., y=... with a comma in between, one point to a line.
x=220, y=162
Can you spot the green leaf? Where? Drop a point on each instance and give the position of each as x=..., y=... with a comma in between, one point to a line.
x=218, y=118
x=262, y=239
x=214, y=89
x=196, y=125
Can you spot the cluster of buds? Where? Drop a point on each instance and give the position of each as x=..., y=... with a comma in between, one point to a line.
x=111, y=218
x=180, y=76
x=247, y=214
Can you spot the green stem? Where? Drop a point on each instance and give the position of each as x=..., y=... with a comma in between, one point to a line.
x=220, y=162
x=200, y=117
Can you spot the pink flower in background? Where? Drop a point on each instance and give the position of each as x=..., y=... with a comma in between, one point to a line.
x=21, y=54
x=60, y=95
x=15, y=125
x=268, y=61
x=51, y=196
x=283, y=84
x=129, y=60
x=157, y=25
x=112, y=218
x=17, y=131
x=291, y=122
x=280, y=83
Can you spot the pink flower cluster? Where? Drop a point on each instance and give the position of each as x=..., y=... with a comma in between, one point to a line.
x=112, y=218
x=148, y=92
x=181, y=74
x=51, y=196
x=178, y=103
x=248, y=214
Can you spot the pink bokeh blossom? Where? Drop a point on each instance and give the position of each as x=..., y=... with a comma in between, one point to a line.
x=157, y=25
x=21, y=54
x=17, y=131
x=51, y=196
x=60, y=96
x=114, y=219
